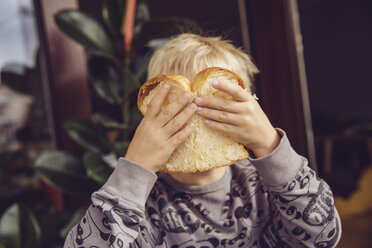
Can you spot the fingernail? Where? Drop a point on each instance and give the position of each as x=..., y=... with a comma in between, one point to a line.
x=165, y=86
x=207, y=121
x=215, y=83
x=192, y=106
x=191, y=125
x=186, y=96
x=199, y=109
x=198, y=100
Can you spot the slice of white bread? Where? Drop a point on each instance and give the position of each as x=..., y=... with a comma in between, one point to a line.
x=205, y=148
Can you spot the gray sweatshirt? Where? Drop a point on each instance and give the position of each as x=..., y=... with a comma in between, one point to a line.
x=274, y=201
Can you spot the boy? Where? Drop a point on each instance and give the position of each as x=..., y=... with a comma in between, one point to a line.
x=272, y=199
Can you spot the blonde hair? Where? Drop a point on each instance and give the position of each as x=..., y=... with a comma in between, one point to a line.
x=187, y=54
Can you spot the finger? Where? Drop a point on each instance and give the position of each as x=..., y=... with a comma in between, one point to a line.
x=179, y=120
x=158, y=99
x=234, y=90
x=219, y=116
x=167, y=113
x=181, y=135
x=218, y=103
x=223, y=127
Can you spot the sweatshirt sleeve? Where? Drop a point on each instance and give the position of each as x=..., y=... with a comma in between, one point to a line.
x=113, y=218
x=304, y=214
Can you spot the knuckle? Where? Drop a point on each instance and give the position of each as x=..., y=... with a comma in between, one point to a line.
x=185, y=132
x=225, y=127
x=222, y=116
x=222, y=127
x=151, y=107
x=242, y=95
x=177, y=139
x=226, y=105
x=182, y=99
x=177, y=124
x=206, y=100
x=189, y=110
x=166, y=113
x=249, y=108
x=246, y=119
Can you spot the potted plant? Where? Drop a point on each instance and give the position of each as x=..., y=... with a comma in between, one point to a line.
x=117, y=64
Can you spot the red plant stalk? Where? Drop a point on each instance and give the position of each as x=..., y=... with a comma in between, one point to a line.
x=127, y=30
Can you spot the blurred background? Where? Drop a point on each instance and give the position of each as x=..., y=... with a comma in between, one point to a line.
x=71, y=70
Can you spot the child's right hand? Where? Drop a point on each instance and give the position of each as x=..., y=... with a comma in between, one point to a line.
x=161, y=130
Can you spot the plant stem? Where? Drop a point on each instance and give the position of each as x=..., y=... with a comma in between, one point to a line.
x=126, y=114
x=127, y=60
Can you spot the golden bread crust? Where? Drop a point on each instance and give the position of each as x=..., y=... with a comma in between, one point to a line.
x=202, y=77
x=153, y=83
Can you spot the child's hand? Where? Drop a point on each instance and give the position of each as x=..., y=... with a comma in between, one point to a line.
x=161, y=131
x=241, y=118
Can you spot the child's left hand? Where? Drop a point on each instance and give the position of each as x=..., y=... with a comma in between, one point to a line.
x=241, y=118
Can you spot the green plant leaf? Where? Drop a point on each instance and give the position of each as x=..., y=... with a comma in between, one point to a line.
x=140, y=65
x=84, y=29
x=96, y=168
x=78, y=215
x=53, y=222
x=19, y=228
x=108, y=122
x=8, y=157
x=112, y=12
x=131, y=83
x=163, y=27
x=65, y=172
x=121, y=148
x=136, y=116
x=31, y=232
x=13, y=75
x=106, y=79
x=142, y=16
x=87, y=134
x=10, y=227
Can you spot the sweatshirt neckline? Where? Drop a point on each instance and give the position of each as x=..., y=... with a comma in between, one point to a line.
x=198, y=189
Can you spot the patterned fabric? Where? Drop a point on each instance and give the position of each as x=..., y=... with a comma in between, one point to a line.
x=245, y=208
